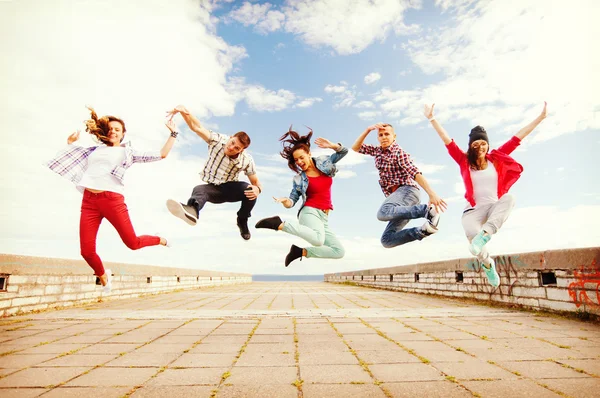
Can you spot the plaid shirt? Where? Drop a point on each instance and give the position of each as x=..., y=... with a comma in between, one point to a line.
x=220, y=168
x=72, y=162
x=395, y=166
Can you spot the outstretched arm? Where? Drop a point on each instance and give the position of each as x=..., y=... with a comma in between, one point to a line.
x=361, y=138
x=191, y=120
x=170, y=141
x=340, y=150
x=436, y=125
x=524, y=132
x=434, y=199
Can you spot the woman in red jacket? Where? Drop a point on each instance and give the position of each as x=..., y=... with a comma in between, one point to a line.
x=487, y=177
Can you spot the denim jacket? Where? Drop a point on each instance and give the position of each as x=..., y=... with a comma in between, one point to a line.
x=325, y=164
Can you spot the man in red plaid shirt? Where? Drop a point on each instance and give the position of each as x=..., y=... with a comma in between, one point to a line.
x=398, y=178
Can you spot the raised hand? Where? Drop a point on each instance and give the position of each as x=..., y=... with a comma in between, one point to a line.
x=171, y=125
x=73, y=137
x=178, y=109
x=325, y=143
x=428, y=111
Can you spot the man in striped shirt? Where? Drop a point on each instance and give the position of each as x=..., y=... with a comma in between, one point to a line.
x=226, y=159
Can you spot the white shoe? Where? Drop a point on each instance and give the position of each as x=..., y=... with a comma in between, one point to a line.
x=185, y=212
x=433, y=216
x=108, y=287
x=428, y=229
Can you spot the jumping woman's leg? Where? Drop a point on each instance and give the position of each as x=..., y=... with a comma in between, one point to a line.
x=89, y=223
x=310, y=226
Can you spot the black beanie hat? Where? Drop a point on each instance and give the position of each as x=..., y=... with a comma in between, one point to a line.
x=478, y=133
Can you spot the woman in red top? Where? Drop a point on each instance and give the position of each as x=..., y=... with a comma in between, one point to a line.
x=487, y=177
x=313, y=184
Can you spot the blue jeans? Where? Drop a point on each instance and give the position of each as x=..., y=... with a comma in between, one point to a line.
x=399, y=208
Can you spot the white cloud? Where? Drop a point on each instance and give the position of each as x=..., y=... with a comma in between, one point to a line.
x=347, y=26
x=369, y=115
x=344, y=95
x=260, y=98
x=259, y=15
x=364, y=104
x=308, y=102
x=372, y=78
x=501, y=60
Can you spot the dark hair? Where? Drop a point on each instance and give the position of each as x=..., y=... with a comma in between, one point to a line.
x=292, y=141
x=243, y=137
x=477, y=133
x=98, y=127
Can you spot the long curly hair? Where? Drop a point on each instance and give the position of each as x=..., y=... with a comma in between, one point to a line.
x=292, y=141
x=98, y=126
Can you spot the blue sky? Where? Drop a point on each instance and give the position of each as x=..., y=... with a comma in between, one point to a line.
x=336, y=66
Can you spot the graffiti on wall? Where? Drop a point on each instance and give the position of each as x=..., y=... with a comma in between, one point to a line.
x=506, y=266
x=586, y=284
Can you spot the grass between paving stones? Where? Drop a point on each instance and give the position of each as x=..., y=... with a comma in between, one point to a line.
x=362, y=363
x=227, y=373
x=298, y=382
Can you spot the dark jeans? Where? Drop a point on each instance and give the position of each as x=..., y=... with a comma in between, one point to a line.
x=227, y=192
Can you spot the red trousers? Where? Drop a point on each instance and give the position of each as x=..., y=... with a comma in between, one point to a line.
x=109, y=205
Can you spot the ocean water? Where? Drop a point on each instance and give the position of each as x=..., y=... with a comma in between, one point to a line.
x=287, y=278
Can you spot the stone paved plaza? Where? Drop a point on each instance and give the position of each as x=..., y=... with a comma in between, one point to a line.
x=295, y=339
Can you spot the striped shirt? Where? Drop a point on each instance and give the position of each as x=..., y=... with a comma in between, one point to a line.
x=72, y=162
x=395, y=166
x=220, y=168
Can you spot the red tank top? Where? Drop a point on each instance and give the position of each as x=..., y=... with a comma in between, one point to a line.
x=318, y=193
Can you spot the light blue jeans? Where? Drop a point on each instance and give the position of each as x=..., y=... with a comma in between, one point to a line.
x=399, y=208
x=312, y=226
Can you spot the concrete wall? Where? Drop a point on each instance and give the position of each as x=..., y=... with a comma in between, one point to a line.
x=560, y=280
x=34, y=283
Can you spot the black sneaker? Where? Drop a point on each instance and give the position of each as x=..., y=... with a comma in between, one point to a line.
x=185, y=212
x=270, y=223
x=295, y=253
x=242, y=224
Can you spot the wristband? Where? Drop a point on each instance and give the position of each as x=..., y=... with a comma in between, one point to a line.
x=431, y=119
x=174, y=134
x=259, y=190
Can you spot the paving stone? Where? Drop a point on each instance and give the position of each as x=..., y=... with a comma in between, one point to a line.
x=266, y=359
x=245, y=391
x=396, y=355
x=41, y=377
x=473, y=368
x=107, y=377
x=79, y=360
x=579, y=388
x=24, y=360
x=541, y=369
x=87, y=392
x=203, y=361
x=173, y=391
x=188, y=377
x=334, y=374
x=405, y=372
x=509, y=388
x=327, y=357
x=108, y=348
x=262, y=376
x=413, y=389
x=21, y=392
x=54, y=348
x=367, y=390
x=143, y=359
x=588, y=365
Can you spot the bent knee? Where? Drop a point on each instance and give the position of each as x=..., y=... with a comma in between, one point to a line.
x=339, y=252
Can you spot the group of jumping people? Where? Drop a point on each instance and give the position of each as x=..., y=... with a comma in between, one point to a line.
x=98, y=172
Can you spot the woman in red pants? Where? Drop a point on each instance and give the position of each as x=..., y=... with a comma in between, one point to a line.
x=98, y=172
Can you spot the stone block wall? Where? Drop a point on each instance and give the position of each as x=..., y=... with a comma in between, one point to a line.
x=557, y=280
x=30, y=284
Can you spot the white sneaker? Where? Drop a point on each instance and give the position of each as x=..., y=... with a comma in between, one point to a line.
x=108, y=287
x=428, y=229
x=185, y=212
x=433, y=216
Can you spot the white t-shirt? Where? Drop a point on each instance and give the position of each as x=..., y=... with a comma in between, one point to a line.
x=485, y=185
x=100, y=163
